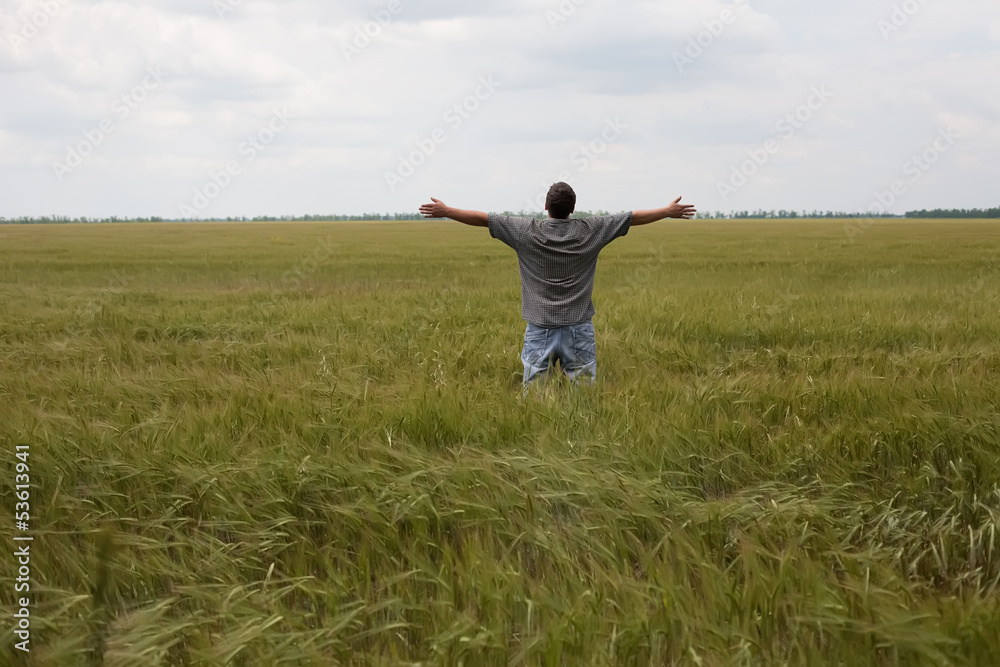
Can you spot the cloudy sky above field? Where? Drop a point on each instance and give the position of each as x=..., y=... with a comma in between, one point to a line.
x=229, y=107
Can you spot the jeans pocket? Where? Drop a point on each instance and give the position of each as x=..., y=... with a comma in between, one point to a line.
x=535, y=343
x=585, y=343
x=533, y=333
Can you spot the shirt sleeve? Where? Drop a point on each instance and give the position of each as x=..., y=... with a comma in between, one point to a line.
x=611, y=227
x=506, y=228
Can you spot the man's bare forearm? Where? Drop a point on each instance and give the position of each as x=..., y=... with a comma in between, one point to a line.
x=675, y=210
x=438, y=209
x=468, y=217
x=648, y=216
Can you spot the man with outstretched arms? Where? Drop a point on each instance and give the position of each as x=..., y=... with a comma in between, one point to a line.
x=557, y=257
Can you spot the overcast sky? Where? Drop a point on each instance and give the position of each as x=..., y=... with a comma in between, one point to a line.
x=215, y=108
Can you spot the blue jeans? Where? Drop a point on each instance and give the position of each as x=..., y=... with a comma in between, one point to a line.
x=574, y=347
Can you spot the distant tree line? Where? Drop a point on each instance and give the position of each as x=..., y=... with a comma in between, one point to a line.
x=791, y=215
x=63, y=220
x=784, y=214
x=956, y=213
x=781, y=214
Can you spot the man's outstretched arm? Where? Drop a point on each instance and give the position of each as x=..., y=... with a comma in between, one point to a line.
x=675, y=210
x=438, y=209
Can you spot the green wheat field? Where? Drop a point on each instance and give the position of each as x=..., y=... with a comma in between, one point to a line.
x=306, y=444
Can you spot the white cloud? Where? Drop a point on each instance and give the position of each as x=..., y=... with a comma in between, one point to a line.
x=355, y=118
x=164, y=118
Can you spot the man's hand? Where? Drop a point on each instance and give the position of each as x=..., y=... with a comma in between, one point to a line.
x=675, y=210
x=681, y=211
x=438, y=209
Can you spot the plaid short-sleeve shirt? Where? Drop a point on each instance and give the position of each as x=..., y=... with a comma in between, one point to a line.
x=558, y=260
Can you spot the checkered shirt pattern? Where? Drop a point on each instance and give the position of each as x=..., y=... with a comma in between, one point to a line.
x=558, y=260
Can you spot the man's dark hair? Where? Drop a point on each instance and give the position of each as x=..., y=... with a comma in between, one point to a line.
x=561, y=201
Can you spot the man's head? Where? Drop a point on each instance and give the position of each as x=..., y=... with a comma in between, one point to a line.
x=561, y=201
